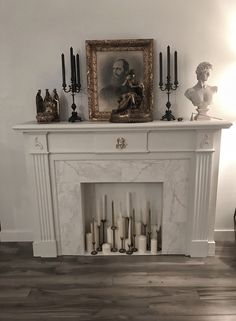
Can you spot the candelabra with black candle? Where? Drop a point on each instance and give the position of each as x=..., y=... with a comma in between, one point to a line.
x=168, y=86
x=74, y=86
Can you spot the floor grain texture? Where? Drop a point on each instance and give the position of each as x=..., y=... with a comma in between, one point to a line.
x=135, y=288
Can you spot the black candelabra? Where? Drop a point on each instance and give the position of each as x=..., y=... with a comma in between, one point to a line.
x=74, y=86
x=168, y=86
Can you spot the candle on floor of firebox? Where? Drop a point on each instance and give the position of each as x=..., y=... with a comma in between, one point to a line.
x=154, y=230
x=120, y=224
x=130, y=230
x=149, y=220
x=129, y=201
x=154, y=246
x=142, y=244
x=112, y=213
x=89, y=246
x=104, y=213
x=127, y=243
x=94, y=231
x=98, y=211
x=106, y=248
x=109, y=235
x=138, y=228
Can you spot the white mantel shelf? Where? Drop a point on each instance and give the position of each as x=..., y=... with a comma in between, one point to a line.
x=181, y=157
x=102, y=125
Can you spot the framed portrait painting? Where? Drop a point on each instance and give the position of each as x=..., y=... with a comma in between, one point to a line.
x=108, y=64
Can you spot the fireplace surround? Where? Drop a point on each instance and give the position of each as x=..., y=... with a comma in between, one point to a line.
x=181, y=156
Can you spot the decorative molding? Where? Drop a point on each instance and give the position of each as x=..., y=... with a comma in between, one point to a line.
x=205, y=142
x=201, y=197
x=44, y=197
x=37, y=143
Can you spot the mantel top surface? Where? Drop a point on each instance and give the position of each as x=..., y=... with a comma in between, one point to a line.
x=98, y=125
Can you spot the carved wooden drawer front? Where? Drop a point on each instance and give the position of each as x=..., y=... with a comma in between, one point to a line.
x=120, y=142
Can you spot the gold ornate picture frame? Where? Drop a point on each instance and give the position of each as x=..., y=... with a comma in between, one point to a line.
x=106, y=60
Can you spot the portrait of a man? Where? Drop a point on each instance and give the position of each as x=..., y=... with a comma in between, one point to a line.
x=113, y=74
x=114, y=90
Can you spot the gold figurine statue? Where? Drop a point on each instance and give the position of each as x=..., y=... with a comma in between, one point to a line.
x=131, y=107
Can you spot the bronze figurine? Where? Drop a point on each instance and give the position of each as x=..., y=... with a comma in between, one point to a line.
x=131, y=108
x=47, y=108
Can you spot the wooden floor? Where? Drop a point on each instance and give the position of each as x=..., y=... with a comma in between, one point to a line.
x=160, y=288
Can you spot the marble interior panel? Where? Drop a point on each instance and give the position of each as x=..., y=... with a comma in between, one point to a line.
x=174, y=174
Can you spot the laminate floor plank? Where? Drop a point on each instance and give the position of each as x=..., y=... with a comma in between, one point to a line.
x=134, y=288
x=112, y=317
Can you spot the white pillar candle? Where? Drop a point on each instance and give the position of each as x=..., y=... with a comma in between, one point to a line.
x=138, y=227
x=106, y=249
x=89, y=246
x=154, y=246
x=109, y=235
x=142, y=244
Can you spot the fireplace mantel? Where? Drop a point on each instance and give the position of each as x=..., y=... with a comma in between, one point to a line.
x=183, y=156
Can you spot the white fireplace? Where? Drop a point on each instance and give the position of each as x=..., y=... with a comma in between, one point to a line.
x=176, y=161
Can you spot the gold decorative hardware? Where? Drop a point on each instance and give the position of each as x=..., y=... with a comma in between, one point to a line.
x=121, y=143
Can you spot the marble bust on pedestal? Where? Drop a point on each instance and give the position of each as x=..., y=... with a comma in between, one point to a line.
x=201, y=95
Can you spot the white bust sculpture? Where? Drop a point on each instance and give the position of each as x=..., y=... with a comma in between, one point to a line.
x=201, y=95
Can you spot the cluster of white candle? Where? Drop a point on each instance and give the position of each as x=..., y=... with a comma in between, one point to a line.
x=125, y=229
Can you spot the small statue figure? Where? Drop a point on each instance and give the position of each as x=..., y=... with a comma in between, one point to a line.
x=201, y=95
x=39, y=102
x=56, y=105
x=47, y=109
x=130, y=103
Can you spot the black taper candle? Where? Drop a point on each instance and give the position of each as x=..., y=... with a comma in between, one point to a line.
x=74, y=69
x=176, y=68
x=160, y=66
x=71, y=64
x=112, y=213
x=63, y=71
x=149, y=220
x=168, y=62
x=78, y=70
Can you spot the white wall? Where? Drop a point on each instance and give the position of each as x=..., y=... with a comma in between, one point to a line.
x=34, y=33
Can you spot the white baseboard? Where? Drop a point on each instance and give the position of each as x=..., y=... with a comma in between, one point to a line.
x=16, y=236
x=224, y=235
